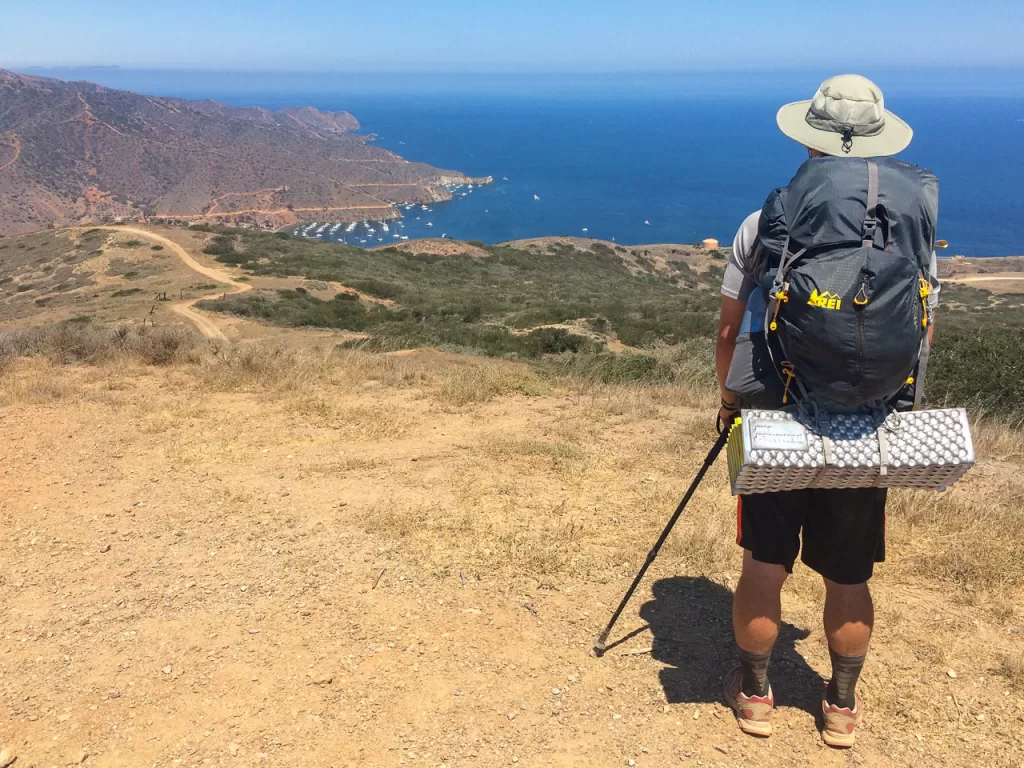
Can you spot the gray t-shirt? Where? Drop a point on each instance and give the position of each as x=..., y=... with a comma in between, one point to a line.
x=743, y=273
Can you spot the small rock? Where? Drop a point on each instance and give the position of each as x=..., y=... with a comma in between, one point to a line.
x=696, y=714
x=721, y=749
x=512, y=715
x=555, y=691
x=255, y=631
x=456, y=693
x=7, y=757
x=951, y=673
x=631, y=761
x=63, y=718
x=112, y=694
x=233, y=748
x=980, y=718
x=167, y=670
x=323, y=679
x=105, y=548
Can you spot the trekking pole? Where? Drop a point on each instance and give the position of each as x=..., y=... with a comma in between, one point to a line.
x=601, y=645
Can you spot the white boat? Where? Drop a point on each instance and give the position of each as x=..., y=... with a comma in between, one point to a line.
x=430, y=223
x=350, y=227
x=470, y=186
x=536, y=197
x=585, y=229
x=405, y=237
x=384, y=226
x=504, y=178
x=396, y=235
x=647, y=222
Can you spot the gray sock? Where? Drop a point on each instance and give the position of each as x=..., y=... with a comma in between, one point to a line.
x=755, y=672
x=842, y=688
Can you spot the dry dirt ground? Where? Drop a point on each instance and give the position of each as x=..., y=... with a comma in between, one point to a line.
x=269, y=557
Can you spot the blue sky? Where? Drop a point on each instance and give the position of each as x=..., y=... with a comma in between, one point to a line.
x=511, y=36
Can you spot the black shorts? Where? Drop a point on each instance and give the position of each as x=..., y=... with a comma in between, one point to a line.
x=843, y=530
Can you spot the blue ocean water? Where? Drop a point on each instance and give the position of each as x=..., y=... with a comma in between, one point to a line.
x=644, y=159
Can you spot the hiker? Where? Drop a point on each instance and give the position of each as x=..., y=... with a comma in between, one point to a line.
x=850, y=200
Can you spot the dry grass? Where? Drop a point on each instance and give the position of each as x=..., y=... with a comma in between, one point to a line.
x=69, y=343
x=461, y=473
x=459, y=386
x=612, y=452
x=968, y=537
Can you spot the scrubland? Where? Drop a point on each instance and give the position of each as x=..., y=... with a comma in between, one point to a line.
x=307, y=554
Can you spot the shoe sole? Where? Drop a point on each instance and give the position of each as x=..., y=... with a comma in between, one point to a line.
x=838, y=740
x=752, y=728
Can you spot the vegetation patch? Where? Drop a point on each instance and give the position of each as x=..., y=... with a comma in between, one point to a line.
x=498, y=305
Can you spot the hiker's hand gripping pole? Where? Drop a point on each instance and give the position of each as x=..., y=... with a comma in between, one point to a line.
x=602, y=642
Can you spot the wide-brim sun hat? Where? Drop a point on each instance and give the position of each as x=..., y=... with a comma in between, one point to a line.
x=846, y=118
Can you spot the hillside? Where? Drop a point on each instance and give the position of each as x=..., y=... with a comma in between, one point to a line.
x=267, y=547
x=75, y=152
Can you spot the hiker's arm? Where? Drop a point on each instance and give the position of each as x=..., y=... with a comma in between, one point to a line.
x=728, y=329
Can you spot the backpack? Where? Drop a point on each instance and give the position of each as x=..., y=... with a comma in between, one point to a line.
x=848, y=247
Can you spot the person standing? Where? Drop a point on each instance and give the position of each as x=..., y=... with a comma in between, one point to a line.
x=839, y=533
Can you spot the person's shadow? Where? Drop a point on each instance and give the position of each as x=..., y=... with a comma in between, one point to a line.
x=691, y=621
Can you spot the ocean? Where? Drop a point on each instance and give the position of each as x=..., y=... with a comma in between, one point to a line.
x=660, y=158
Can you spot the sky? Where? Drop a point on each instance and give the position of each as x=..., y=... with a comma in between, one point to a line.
x=511, y=36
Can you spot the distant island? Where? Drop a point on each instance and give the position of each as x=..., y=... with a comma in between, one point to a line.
x=76, y=153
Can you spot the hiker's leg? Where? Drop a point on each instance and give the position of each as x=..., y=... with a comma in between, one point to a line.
x=842, y=542
x=757, y=604
x=849, y=619
x=769, y=531
x=756, y=617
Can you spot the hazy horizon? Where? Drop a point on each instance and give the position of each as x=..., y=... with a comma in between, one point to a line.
x=785, y=83
x=528, y=36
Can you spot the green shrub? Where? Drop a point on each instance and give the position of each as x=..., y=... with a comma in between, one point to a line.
x=221, y=245
x=981, y=368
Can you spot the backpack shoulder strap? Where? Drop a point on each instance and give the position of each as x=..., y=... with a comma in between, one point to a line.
x=871, y=213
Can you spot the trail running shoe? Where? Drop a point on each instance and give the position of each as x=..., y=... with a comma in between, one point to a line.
x=841, y=723
x=753, y=713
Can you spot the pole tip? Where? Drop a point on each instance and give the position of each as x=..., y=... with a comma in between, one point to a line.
x=599, y=648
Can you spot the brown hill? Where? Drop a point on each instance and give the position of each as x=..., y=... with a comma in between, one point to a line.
x=75, y=152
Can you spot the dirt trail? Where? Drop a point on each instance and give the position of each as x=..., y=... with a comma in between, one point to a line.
x=187, y=309
x=981, y=279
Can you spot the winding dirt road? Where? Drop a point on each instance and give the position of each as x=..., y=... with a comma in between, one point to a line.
x=187, y=309
x=981, y=279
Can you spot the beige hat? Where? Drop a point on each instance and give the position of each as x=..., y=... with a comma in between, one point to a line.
x=846, y=118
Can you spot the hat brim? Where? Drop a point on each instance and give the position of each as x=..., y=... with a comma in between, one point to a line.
x=894, y=137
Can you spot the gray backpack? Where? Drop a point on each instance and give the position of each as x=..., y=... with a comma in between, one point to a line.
x=848, y=248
